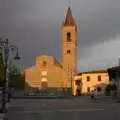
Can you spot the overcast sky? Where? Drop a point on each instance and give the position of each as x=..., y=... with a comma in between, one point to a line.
x=35, y=26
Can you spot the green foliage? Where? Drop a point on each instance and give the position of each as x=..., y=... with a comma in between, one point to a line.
x=14, y=71
x=16, y=80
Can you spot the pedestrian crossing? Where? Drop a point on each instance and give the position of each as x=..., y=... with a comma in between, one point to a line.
x=60, y=110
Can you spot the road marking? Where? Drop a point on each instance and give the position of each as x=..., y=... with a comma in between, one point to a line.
x=44, y=105
x=77, y=99
x=41, y=111
x=81, y=110
x=64, y=110
x=81, y=100
x=89, y=101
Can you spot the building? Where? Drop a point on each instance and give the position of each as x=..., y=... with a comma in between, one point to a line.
x=48, y=72
x=113, y=73
x=93, y=80
x=114, y=76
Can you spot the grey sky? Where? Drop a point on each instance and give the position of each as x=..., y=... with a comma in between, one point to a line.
x=35, y=26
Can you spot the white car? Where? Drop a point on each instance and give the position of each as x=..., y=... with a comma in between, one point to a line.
x=51, y=94
x=31, y=94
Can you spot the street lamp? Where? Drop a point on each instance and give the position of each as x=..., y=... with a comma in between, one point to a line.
x=70, y=77
x=6, y=47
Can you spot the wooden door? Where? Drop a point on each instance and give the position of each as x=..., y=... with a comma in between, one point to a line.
x=44, y=85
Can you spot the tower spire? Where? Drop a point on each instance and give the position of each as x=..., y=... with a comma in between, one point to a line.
x=69, y=18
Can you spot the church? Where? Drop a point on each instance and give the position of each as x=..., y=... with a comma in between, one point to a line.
x=50, y=74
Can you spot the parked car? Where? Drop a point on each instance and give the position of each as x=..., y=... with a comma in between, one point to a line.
x=31, y=94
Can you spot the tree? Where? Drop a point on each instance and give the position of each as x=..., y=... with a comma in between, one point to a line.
x=14, y=71
x=16, y=80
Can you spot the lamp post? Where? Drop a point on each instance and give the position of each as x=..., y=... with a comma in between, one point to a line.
x=6, y=47
x=70, y=77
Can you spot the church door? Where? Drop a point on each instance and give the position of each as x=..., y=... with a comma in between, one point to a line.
x=44, y=85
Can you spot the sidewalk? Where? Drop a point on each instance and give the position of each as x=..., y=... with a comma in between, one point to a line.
x=2, y=115
x=87, y=98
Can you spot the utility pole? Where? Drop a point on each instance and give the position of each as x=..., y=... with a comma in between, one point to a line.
x=70, y=77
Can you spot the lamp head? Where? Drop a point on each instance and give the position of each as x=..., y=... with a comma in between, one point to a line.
x=17, y=57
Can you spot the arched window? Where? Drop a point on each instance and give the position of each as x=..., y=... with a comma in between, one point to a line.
x=44, y=85
x=99, y=78
x=68, y=37
x=88, y=78
x=68, y=51
x=44, y=63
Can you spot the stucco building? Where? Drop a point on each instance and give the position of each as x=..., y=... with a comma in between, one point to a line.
x=92, y=80
x=114, y=76
x=48, y=72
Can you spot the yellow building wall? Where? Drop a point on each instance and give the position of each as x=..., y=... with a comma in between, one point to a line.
x=93, y=80
x=69, y=61
x=54, y=76
x=33, y=75
x=57, y=76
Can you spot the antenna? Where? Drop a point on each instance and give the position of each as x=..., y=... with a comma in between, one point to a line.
x=70, y=3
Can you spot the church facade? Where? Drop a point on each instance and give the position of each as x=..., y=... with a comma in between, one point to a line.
x=48, y=72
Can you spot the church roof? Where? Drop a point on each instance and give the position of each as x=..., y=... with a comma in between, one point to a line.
x=69, y=18
x=58, y=63
x=93, y=71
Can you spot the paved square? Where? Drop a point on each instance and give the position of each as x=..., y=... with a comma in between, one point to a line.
x=57, y=109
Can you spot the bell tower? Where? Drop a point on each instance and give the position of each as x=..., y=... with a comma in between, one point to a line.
x=69, y=48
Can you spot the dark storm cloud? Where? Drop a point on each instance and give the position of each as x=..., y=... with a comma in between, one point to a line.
x=35, y=25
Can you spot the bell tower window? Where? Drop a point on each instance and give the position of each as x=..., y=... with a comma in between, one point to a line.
x=68, y=37
x=44, y=63
x=68, y=51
